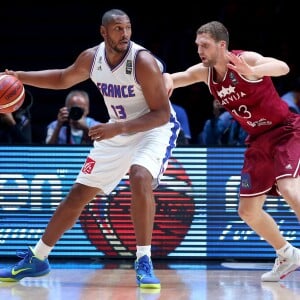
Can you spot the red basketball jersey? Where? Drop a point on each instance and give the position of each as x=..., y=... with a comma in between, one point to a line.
x=256, y=105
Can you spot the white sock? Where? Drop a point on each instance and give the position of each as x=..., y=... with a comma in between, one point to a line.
x=286, y=251
x=143, y=250
x=41, y=250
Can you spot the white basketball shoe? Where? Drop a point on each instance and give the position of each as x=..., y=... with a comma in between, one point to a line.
x=283, y=267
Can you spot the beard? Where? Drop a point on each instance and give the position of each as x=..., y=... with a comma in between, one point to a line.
x=209, y=63
x=117, y=47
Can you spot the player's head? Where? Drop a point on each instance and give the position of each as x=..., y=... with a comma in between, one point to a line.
x=216, y=30
x=116, y=30
x=111, y=15
x=212, y=40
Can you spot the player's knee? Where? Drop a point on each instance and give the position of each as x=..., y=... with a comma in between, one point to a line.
x=139, y=176
x=289, y=188
x=288, y=192
x=247, y=214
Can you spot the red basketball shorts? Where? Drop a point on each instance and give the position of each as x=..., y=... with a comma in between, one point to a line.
x=272, y=155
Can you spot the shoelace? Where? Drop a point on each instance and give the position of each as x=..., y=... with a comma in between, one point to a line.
x=278, y=262
x=23, y=254
x=145, y=267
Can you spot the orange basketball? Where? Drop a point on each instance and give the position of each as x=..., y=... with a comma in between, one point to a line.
x=12, y=93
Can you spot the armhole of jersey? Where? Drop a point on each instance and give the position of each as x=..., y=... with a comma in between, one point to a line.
x=94, y=60
x=161, y=63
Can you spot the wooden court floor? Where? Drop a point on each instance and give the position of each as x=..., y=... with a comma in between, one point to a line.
x=114, y=280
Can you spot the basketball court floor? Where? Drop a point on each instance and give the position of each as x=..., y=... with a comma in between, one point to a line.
x=115, y=280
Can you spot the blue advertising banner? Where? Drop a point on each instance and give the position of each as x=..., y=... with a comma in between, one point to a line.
x=196, y=206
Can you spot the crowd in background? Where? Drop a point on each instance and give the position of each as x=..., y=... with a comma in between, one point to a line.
x=264, y=26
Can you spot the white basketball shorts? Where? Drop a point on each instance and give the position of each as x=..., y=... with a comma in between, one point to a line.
x=110, y=160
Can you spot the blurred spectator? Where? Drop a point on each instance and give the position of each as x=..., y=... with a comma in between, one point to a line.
x=214, y=127
x=234, y=134
x=15, y=128
x=292, y=97
x=185, y=132
x=221, y=129
x=72, y=124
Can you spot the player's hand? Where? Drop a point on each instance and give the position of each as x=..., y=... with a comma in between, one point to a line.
x=238, y=64
x=104, y=131
x=9, y=72
x=168, y=83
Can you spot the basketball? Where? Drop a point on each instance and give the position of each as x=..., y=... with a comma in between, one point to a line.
x=12, y=93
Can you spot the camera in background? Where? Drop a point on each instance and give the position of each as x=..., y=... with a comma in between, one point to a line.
x=75, y=113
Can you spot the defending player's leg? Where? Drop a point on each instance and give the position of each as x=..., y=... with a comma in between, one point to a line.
x=283, y=266
x=288, y=257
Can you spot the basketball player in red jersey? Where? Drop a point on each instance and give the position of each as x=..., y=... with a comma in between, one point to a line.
x=241, y=81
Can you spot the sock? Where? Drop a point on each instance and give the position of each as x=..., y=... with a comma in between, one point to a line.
x=41, y=250
x=143, y=250
x=286, y=251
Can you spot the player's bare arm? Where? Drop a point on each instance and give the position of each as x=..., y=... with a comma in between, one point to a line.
x=253, y=65
x=59, y=78
x=194, y=74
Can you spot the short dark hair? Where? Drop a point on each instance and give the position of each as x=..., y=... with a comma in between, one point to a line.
x=216, y=30
x=110, y=14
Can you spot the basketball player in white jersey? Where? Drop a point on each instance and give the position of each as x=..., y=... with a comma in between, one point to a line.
x=138, y=139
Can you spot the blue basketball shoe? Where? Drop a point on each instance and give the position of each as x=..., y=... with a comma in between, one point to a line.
x=29, y=266
x=145, y=277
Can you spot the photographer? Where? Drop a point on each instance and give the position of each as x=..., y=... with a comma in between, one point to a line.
x=72, y=124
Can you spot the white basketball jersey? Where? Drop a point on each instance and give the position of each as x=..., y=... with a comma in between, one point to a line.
x=121, y=92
